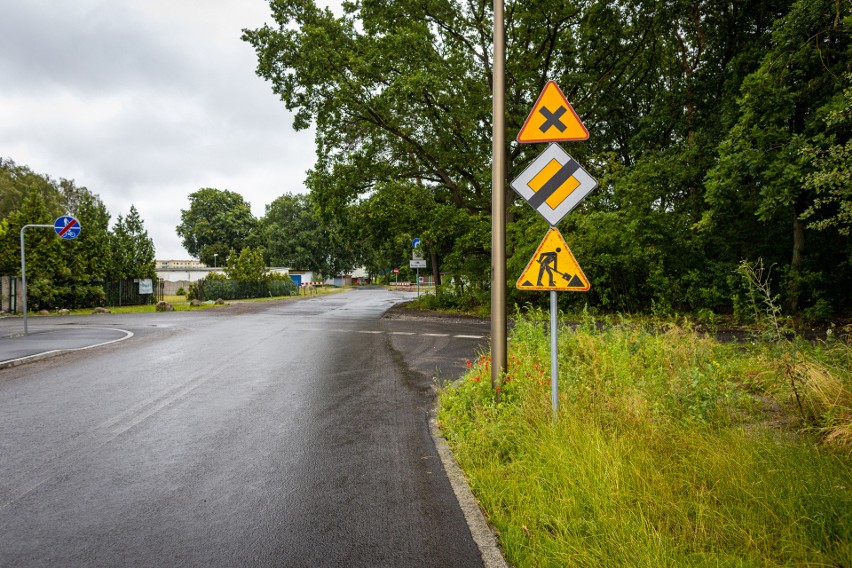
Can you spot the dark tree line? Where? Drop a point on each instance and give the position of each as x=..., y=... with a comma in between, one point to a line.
x=67, y=274
x=720, y=132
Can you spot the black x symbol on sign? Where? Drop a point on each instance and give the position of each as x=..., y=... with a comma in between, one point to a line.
x=553, y=119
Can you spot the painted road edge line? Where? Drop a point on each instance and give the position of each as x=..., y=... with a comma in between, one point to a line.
x=53, y=353
x=480, y=530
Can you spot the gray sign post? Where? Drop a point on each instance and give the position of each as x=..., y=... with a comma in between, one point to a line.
x=66, y=228
x=499, y=341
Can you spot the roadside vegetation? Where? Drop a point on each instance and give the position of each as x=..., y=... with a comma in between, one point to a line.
x=91, y=270
x=670, y=448
x=718, y=132
x=181, y=303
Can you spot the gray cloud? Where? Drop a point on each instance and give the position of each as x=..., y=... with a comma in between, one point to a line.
x=145, y=101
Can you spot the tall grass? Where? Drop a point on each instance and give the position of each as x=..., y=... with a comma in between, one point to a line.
x=670, y=449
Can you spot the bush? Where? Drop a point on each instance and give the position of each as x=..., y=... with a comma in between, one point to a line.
x=194, y=293
x=236, y=290
x=181, y=291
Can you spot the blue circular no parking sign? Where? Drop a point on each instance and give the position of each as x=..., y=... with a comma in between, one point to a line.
x=67, y=227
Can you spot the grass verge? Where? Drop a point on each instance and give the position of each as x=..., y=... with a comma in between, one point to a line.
x=670, y=449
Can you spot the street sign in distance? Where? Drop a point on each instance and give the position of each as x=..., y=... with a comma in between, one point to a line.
x=553, y=267
x=554, y=183
x=415, y=242
x=67, y=227
x=417, y=263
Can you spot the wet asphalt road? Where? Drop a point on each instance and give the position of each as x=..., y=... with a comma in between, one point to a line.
x=281, y=434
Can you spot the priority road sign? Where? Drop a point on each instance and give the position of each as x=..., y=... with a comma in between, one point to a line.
x=552, y=119
x=67, y=227
x=554, y=183
x=553, y=267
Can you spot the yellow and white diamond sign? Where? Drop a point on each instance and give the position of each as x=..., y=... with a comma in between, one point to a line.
x=554, y=184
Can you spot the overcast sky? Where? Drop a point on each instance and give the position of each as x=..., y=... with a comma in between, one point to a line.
x=144, y=102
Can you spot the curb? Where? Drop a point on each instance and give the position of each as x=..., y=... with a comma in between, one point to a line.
x=55, y=352
x=481, y=532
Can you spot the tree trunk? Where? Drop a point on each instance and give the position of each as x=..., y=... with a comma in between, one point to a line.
x=793, y=285
x=436, y=271
x=798, y=242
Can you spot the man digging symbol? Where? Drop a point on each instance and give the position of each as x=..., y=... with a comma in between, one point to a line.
x=547, y=260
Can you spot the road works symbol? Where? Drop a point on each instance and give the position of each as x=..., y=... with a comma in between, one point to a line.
x=552, y=119
x=554, y=184
x=553, y=267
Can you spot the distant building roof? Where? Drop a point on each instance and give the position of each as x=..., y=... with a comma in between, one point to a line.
x=191, y=263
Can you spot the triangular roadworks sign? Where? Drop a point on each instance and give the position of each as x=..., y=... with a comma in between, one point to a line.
x=552, y=119
x=553, y=267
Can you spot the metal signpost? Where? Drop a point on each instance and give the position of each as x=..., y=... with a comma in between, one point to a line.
x=417, y=260
x=553, y=184
x=499, y=357
x=417, y=263
x=66, y=228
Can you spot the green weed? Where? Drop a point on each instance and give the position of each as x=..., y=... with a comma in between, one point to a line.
x=670, y=449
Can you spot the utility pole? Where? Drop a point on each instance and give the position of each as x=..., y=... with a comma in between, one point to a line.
x=498, y=202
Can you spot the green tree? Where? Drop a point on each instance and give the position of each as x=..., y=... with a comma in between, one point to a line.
x=91, y=254
x=293, y=235
x=762, y=169
x=831, y=179
x=132, y=249
x=216, y=222
x=16, y=182
x=674, y=93
x=46, y=258
x=67, y=273
x=246, y=266
x=396, y=93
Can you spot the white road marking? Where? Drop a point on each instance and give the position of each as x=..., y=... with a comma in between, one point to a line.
x=379, y=332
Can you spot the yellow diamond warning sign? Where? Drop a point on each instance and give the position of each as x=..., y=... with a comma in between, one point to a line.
x=554, y=184
x=552, y=119
x=553, y=268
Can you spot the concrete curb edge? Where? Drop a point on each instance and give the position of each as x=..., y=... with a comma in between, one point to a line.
x=480, y=530
x=55, y=352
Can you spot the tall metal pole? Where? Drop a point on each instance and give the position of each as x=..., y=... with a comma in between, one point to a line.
x=498, y=202
x=554, y=355
x=24, y=277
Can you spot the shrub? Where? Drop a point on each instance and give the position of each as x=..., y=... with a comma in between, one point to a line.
x=193, y=293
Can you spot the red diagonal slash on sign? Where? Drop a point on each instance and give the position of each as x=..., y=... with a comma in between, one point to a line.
x=68, y=227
